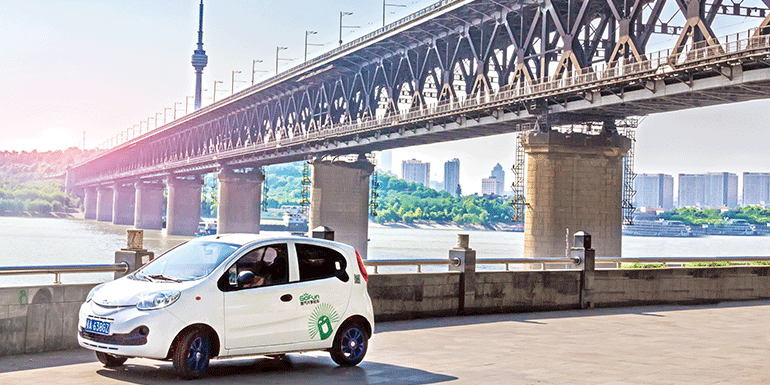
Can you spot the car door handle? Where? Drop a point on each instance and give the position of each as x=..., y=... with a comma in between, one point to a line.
x=286, y=297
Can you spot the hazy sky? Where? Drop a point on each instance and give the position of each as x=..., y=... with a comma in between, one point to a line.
x=99, y=67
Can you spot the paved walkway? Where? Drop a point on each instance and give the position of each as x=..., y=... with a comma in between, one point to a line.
x=728, y=343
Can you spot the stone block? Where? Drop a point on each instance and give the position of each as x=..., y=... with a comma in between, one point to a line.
x=54, y=327
x=34, y=341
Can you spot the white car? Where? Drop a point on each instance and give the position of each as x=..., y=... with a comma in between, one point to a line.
x=233, y=295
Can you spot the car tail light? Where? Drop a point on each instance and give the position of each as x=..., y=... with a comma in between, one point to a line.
x=362, y=267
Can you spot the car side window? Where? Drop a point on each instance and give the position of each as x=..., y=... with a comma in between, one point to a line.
x=264, y=266
x=319, y=262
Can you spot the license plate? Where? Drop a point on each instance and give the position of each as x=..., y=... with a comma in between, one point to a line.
x=98, y=327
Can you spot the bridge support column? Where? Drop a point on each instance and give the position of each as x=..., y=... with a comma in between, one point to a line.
x=339, y=199
x=240, y=200
x=123, y=204
x=575, y=182
x=184, y=205
x=148, y=205
x=104, y=204
x=89, y=202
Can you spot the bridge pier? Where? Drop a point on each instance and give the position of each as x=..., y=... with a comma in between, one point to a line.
x=148, y=205
x=123, y=204
x=104, y=204
x=89, y=202
x=575, y=182
x=184, y=205
x=339, y=199
x=240, y=198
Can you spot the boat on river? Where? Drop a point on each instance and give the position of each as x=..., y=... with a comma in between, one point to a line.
x=660, y=228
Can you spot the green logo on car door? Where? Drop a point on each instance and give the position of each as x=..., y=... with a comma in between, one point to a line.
x=321, y=321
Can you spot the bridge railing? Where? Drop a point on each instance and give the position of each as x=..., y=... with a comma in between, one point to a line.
x=58, y=270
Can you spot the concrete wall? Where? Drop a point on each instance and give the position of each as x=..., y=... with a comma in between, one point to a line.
x=36, y=319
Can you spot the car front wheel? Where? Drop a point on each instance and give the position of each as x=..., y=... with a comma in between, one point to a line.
x=350, y=345
x=192, y=354
x=110, y=360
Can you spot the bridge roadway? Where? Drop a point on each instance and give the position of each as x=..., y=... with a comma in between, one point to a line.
x=711, y=344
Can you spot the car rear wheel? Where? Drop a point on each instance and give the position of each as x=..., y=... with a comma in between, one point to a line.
x=110, y=360
x=350, y=345
x=192, y=354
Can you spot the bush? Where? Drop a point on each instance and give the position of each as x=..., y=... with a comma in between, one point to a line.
x=39, y=205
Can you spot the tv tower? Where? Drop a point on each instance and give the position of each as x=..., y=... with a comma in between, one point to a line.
x=199, y=61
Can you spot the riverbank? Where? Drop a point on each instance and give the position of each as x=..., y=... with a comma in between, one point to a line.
x=35, y=214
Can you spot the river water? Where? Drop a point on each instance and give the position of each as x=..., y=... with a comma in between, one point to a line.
x=52, y=241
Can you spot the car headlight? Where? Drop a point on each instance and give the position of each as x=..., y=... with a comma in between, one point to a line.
x=158, y=300
x=92, y=292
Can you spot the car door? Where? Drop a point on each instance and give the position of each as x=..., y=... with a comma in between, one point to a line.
x=258, y=309
x=324, y=290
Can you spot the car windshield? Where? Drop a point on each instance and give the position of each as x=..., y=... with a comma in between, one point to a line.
x=188, y=261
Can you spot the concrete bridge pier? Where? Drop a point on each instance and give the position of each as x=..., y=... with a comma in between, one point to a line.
x=574, y=181
x=184, y=205
x=89, y=202
x=123, y=204
x=339, y=199
x=240, y=199
x=104, y=204
x=148, y=205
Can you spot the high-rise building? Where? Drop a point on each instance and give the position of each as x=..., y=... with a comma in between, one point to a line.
x=721, y=189
x=452, y=176
x=498, y=172
x=416, y=171
x=756, y=188
x=654, y=190
x=691, y=190
x=491, y=186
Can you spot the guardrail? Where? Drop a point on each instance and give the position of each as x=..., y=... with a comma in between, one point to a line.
x=57, y=270
x=419, y=263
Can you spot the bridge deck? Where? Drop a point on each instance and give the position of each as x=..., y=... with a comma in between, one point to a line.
x=714, y=344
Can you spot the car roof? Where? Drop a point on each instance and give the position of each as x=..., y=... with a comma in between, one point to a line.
x=245, y=238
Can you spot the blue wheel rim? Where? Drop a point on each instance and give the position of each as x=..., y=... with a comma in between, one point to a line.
x=353, y=344
x=198, y=356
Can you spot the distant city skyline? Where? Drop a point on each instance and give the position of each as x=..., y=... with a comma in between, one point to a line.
x=103, y=67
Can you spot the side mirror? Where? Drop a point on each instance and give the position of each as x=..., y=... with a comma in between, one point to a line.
x=246, y=278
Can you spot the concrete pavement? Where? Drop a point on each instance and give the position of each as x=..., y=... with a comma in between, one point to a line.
x=725, y=343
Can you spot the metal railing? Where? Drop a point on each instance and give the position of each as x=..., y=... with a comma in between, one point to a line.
x=57, y=270
x=376, y=263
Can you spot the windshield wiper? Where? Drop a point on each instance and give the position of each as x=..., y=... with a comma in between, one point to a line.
x=163, y=277
x=139, y=277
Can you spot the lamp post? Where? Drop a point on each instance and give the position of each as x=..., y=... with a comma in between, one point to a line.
x=232, y=81
x=156, y=118
x=277, y=58
x=343, y=13
x=215, y=89
x=308, y=33
x=254, y=69
x=139, y=130
x=385, y=4
x=164, y=113
x=140, y=126
x=148, y=123
x=175, y=109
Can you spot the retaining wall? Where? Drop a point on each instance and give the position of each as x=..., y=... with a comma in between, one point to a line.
x=37, y=319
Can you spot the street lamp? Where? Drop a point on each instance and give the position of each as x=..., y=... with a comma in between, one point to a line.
x=175, y=109
x=140, y=126
x=148, y=123
x=156, y=118
x=385, y=4
x=254, y=69
x=140, y=129
x=164, y=114
x=232, y=82
x=277, y=50
x=342, y=13
x=215, y=89
x=308, y=33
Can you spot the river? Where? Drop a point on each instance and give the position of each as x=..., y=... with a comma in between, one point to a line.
x=52, y=241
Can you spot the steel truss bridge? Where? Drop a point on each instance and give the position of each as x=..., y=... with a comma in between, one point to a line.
x=466, y=68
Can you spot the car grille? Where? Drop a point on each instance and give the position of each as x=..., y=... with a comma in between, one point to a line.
x=136, y=337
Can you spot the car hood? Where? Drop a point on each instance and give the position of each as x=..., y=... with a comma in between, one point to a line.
x=127, y=292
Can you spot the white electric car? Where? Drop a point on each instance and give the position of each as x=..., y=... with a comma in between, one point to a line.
x=233, y=295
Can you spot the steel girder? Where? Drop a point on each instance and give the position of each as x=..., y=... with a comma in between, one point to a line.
x=457, y=49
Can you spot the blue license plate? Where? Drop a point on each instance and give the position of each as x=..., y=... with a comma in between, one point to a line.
x=98, y=327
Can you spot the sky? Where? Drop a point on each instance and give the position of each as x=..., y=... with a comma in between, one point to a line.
x=69, y=67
